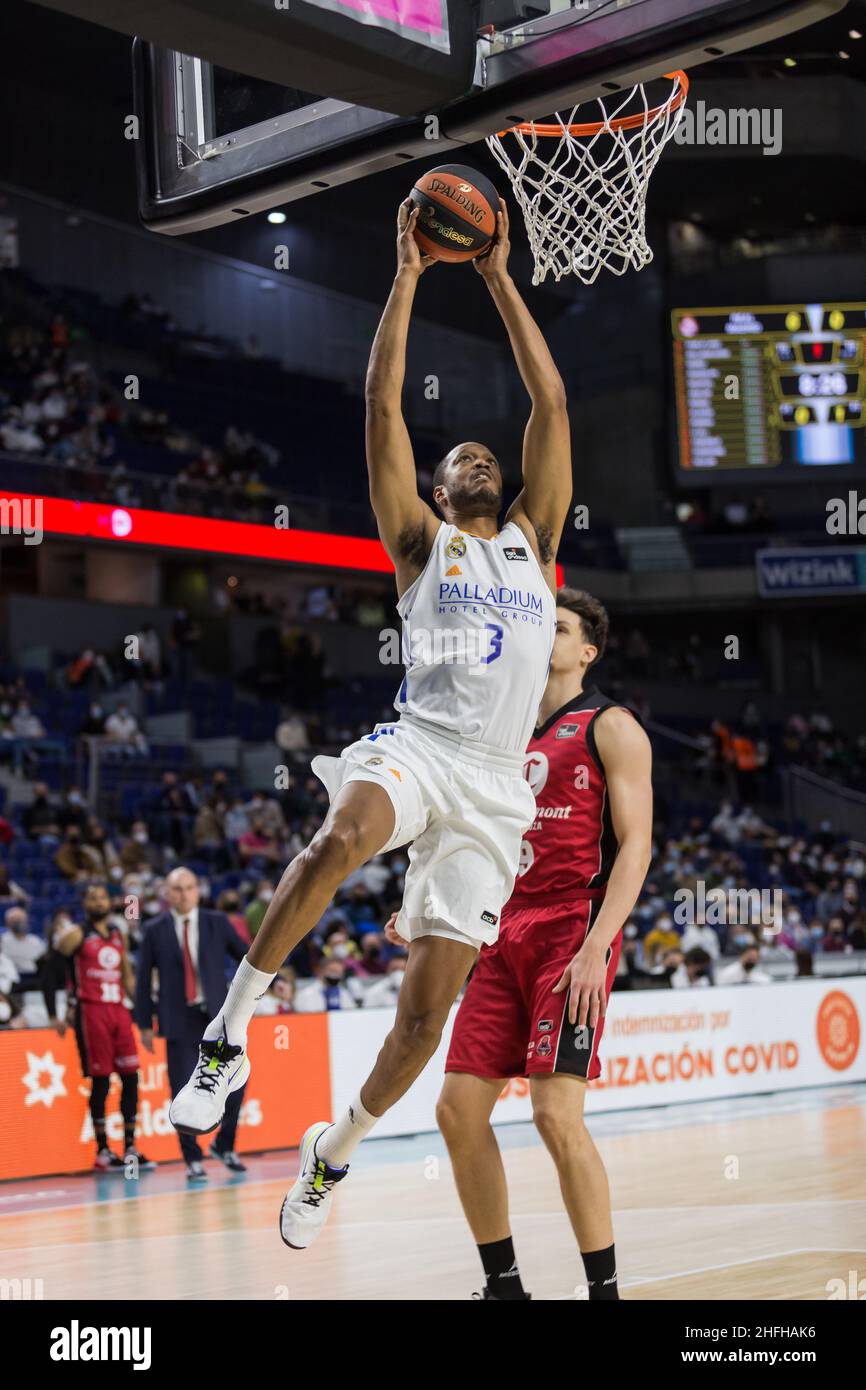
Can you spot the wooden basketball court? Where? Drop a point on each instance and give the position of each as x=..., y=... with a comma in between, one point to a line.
x=757, y=1199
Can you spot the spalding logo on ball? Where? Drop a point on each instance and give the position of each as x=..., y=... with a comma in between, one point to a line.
x=457, y=213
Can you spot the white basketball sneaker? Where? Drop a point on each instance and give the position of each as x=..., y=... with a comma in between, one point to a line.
x=305, y=1209
x=199, y=1107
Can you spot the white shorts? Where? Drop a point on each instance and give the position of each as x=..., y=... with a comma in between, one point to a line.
x=462, y=808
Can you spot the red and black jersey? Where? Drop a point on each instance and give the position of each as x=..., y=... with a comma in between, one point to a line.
x=91, y=975
x=96, y=966
x=571, y=844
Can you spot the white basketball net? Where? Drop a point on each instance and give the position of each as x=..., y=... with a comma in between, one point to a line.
x=583, y=189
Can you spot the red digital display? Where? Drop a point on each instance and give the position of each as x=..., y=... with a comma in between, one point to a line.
x=177, y=531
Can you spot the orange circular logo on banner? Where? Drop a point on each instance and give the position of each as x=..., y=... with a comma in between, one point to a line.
x=838, y=1029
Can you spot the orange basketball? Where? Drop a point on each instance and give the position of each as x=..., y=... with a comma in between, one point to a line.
x=457, y=218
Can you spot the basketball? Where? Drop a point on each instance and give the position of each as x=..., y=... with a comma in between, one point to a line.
x=458, y=208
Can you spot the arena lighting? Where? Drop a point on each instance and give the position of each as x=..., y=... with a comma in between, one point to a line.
x=278, y=218
x=179, y=531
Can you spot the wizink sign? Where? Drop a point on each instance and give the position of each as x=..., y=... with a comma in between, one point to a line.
x=77, y=1343
x=812, y=570
x=710, y=125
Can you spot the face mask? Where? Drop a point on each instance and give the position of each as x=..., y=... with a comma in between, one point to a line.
x=741, y=941
x=5, y=1011
x=400, y=866
x=140, y=837
x=151, y=908
x=631, y=932
x=332, y=980
x=266, y=895
x=74, y=798
x=749, y=965
x=341, y=951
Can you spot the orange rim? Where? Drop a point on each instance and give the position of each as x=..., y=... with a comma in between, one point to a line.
x=556, y=129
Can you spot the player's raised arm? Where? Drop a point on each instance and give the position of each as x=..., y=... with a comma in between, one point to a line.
x=542, y=506
x=406, y=523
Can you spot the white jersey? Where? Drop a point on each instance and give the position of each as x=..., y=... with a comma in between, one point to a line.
x=478, y=629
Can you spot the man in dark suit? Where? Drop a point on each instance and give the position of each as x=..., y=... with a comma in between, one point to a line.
x=187, y=947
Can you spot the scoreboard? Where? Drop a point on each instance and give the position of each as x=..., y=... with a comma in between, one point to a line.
x=770, y=391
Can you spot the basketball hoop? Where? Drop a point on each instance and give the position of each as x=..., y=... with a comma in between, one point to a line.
x=584, y=198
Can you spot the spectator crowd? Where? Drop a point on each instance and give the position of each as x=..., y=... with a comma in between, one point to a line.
x=786, y=898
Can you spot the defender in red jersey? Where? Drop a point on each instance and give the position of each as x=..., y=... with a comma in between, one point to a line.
x=92, y=964
x=536, y=1001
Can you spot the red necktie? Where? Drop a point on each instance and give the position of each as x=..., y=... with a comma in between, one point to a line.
x=189, y=984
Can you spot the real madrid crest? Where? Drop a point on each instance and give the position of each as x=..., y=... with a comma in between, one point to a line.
x=456, y=548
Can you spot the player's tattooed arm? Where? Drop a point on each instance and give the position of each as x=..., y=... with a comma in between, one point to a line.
x=407, y=525
x=542, y=506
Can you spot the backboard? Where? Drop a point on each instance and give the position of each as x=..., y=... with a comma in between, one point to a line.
x=217, y=146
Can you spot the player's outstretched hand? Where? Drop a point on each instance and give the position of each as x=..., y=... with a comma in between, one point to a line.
x=391, y=933
x=495, y=261
x=585, y=977
x=409, y=255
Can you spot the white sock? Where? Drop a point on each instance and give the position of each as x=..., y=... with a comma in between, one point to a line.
x=245, y=991
x=337, y=1144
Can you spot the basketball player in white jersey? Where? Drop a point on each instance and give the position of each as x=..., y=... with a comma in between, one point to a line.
x=479, y=617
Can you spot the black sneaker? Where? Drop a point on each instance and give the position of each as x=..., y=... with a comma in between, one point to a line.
x=108, y=1162
x=486, y=1294
x=145, y=1165
x=229, y=1158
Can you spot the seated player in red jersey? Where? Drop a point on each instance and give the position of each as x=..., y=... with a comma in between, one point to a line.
x=535, y=1004
x=91, y=963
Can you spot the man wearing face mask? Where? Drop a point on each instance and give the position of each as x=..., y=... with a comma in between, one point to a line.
x=188, y=947
x=328, y=992
x=75, y=859
x=22, y=947
x=138, y=854
x=41, y=818
x=256, y=910
x=688, y=970
x=383, y=994
x=91, y=963
x=745, y=971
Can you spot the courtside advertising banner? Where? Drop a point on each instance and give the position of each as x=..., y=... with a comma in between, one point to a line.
x=46, y=1128
x=660, y=1047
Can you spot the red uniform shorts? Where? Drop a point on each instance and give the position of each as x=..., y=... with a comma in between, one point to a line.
x=105, y=1039
x=510, y=1022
